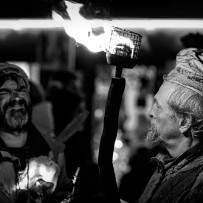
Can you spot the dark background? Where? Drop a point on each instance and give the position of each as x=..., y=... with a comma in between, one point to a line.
x=114, y=8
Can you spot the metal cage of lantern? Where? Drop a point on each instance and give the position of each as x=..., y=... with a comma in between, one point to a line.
x=117, y=33
x=123, y=49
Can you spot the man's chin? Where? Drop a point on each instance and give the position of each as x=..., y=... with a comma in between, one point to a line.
x=16, y=127
x=18, y=123
x=153, y=140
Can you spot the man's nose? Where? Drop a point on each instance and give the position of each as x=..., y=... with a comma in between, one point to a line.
x=15, y=96
x=150, y=113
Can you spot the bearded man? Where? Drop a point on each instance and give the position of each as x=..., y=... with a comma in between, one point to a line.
x=30, y=169
x=176, y=118
x=176, y=124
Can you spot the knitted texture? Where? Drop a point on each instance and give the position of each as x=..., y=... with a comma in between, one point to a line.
x=188, y=71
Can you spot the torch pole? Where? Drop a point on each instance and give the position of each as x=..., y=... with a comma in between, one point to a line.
x=118, y=72
x=108, y=137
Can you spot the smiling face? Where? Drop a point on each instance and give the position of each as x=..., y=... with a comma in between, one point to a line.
x=164, y=124
x=14, y=105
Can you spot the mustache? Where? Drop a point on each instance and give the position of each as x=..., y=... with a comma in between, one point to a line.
x=151, y=128
x=13, y=102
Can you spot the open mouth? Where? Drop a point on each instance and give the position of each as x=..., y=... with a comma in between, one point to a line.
x=17, y=107
x=16, y=110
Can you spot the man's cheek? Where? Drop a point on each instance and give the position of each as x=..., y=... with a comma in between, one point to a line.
x=162, y=122
x=1, y=104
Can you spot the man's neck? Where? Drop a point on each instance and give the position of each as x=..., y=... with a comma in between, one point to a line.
x=15, y=139
x=178, y=147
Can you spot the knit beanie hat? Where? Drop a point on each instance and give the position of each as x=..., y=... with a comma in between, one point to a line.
x=188, y=71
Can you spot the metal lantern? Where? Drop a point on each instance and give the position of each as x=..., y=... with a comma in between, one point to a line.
x=123, y=48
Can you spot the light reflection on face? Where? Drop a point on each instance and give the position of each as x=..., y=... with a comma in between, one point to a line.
x=14, y=105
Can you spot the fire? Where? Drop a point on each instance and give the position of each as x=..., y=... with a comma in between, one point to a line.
x=121, y=46
x=94, y=34
x=38, y=168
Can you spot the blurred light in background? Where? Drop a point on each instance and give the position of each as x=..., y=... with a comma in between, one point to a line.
x=147, y=24
x=115, y=156
x=98, y=113
x=25, y=66
x=118, y=144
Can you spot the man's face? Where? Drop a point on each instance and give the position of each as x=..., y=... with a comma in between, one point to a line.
x=164, y=125
x=14, y=105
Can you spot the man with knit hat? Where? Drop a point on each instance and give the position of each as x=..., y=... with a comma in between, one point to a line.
x=31, y=169
x=177, y=125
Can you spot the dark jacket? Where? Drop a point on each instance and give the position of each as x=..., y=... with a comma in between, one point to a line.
x=178, y=180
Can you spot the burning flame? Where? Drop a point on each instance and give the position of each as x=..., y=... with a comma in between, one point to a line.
x=121, y=44
x=94, y=34
x=38, y=168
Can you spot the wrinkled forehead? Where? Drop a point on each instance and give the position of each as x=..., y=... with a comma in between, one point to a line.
x=165, y=91
x=8, y=70
x=8, y=80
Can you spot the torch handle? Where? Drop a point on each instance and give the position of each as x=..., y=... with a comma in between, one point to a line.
x=108, y=137
x=118, y=71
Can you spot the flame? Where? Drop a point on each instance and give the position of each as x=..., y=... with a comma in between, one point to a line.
x=38, y=168
x=94, y=34
x=122, y=44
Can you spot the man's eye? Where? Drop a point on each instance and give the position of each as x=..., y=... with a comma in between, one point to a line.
x=22, y=90
x=2, y=92
x=157, y=106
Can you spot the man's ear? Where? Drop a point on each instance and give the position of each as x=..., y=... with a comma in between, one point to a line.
x=185, y=123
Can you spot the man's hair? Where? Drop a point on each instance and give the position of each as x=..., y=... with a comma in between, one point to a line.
x=183, y=100
x=187, y=96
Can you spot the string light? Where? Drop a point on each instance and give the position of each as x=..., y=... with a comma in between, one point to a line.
x=147, y=24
